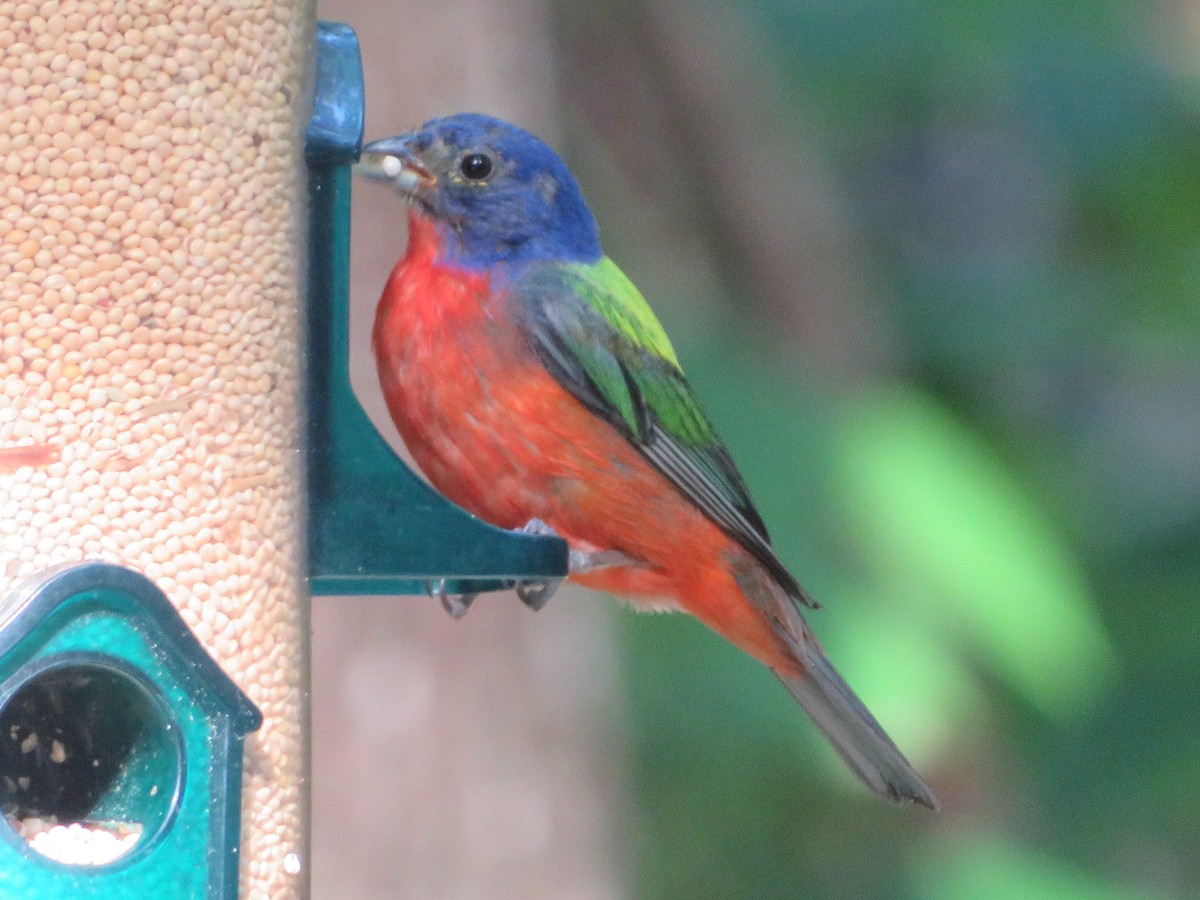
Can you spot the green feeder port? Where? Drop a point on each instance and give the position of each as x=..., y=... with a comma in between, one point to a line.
x=120, y=744
x=373, y=526
x=88, y=747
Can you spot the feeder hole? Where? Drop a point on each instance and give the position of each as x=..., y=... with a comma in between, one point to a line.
x=91, y=762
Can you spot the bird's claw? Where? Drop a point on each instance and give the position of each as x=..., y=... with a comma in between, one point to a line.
x=536, y=594
x=455, y=604
x=537, y=527
x=581, y=562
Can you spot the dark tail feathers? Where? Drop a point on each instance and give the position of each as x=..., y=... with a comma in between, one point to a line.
x=853, y=731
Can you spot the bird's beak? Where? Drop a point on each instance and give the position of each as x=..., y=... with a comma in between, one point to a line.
x=393, y=161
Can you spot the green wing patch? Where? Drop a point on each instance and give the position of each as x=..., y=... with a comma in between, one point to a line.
x=606, y=289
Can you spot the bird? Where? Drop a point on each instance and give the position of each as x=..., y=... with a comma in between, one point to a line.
x=536, y=389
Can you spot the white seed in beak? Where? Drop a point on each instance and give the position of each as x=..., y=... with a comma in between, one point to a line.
x=391, y=166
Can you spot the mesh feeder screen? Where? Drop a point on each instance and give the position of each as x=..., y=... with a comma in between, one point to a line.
x=150, y=214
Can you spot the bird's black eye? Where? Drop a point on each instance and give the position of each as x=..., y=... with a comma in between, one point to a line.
x=476, y=166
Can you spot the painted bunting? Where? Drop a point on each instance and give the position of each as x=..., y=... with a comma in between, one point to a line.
x=535, y=388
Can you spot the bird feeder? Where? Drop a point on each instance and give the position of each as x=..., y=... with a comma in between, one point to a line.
x=118, y=727
x=373, y=526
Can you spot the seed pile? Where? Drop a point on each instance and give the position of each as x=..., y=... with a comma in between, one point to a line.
x=149, y=218
x=79, y=844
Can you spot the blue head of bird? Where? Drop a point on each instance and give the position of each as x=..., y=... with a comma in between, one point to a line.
x=498, y=194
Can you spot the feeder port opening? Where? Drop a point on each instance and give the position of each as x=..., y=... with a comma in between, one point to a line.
x=91, y=761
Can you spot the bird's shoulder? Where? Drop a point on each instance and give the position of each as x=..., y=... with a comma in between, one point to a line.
x=597, y=299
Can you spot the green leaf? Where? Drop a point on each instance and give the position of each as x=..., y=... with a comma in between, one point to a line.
x=941, y=518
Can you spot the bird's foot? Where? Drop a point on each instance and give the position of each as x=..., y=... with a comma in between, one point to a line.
x=536, y=594
x=455, y=604
x=537, y=527
x=580, y=562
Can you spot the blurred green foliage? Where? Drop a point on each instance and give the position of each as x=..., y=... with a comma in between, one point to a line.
x=935, y=512
x=1004, y=528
